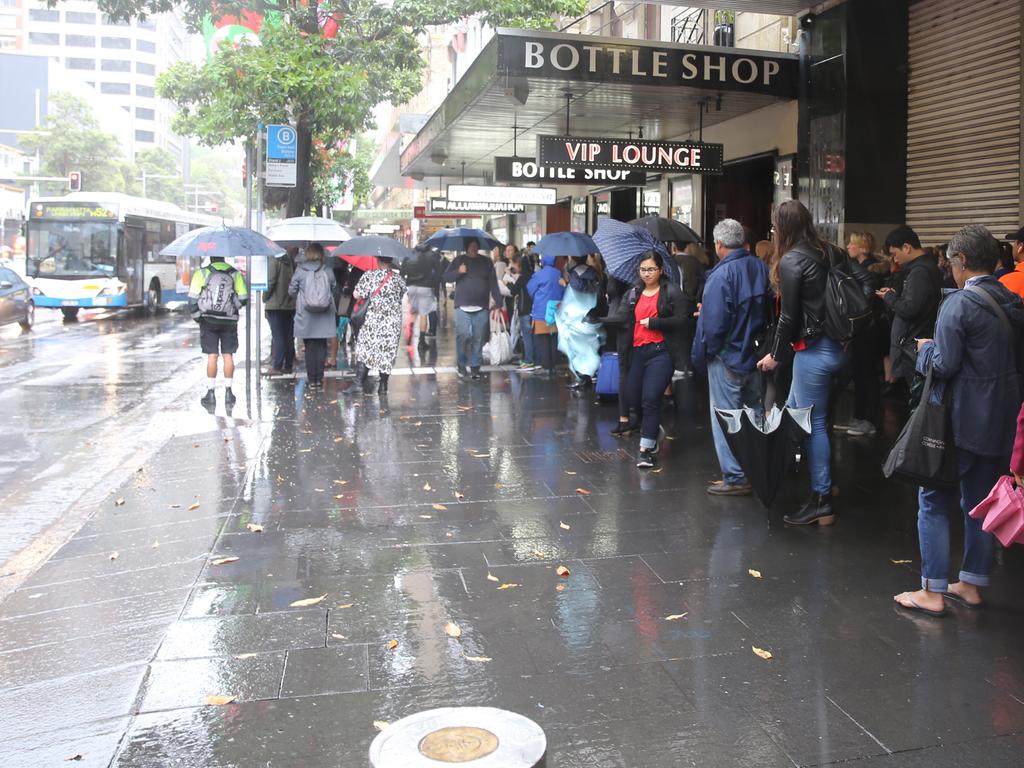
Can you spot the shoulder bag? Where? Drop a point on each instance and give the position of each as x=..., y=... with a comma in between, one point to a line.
x=361, y=306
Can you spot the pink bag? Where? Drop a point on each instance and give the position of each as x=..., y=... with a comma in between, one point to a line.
x=1002, y=511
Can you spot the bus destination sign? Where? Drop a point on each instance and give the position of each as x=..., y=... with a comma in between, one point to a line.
x=71, y=211
x=632, y=154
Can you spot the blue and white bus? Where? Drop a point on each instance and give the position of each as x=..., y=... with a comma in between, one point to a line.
x=97, y=249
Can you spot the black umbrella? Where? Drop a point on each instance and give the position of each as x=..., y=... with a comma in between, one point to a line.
x=362, y=252
x=764, y=446
x=667, y=230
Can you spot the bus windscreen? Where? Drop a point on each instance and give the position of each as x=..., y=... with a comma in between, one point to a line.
x=72, y=249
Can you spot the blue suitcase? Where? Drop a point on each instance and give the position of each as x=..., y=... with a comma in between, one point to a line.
x=608, y=375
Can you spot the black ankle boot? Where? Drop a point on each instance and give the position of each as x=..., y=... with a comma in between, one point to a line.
x=362, y=372
x=382, y=385
x=818, y=509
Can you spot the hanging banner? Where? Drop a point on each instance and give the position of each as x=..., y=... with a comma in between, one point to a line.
x=461, y=193
x=473, y=208
x=638, y=154
x=522, y=170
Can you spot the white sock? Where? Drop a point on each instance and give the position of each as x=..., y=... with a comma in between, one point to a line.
x=211, y=383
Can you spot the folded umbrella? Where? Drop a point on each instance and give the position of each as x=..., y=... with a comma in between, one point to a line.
x=456, y=238
x=225, y=241
x=623, y=244
x=667, y=230
x=764, y=445
x=362, y=252
x=303, y=230
x=1002, y=512
x=566, y=244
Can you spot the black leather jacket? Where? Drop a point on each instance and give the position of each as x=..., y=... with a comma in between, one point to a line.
x=803, y=274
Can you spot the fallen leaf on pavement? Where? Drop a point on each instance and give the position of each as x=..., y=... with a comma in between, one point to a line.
x=498, y=485
x=508, y=586
x=464, y=407
x=336, y=636
x=452, y=629
x=392, y=644
x=156, y=545
x=562, y=571
x=564, y=526
x=676, y=616
x=766, y=655
x=460, y=496
x=194, y=505
x=254, y=527
x=339, y=496
x=225, y=560
x=307, y=601
x=380, y=725
x=119, y=502
x=427, y=517
x=901, y=562
x=114, y=555
x=175, y=506
x=219, y=700
x=244, y=655
x=426, y=487
x=346, y=605
x=582, y=491
x=492, y=577
x=559, y=587
x=418, y=424
x=339, y=439
x=656, y=471
x=341, y=482
x=539, y=555
x=755, y=574
x=440, y=507
x=476, y=658
x=73, y=757
x=569, y=472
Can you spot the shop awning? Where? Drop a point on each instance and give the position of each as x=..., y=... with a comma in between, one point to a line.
x=781, y=7
x=521, y=81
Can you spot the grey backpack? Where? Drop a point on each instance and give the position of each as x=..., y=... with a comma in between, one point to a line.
x=316, y=293
x=218, y=299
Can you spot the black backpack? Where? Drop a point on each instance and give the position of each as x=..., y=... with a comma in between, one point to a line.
x=847, y=309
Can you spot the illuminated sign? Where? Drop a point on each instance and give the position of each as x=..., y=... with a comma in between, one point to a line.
x=473, y=207
x=679, y=156
x=526, y=169
x=71, y=211
x=468, y=193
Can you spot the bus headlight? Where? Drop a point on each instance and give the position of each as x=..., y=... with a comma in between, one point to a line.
x=37, y=292
x=111, y=290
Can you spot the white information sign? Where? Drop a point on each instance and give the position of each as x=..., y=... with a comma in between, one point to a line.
x=471, y=193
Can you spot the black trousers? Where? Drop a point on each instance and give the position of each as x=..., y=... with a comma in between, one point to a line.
x=545, y=345
x=282, y=335
x=867, y=383
x=316, y=358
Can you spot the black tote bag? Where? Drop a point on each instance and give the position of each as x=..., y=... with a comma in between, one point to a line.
x=924, y=453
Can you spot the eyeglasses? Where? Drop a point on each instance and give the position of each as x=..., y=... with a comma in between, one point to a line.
x=649, y=270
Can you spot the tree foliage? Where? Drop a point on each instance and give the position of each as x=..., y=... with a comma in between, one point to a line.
x=163, y=179
x=326, y=84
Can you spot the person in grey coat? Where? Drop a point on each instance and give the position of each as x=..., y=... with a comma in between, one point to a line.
x=314, y=328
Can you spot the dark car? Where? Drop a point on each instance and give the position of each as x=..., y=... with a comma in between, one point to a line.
x=16, y=303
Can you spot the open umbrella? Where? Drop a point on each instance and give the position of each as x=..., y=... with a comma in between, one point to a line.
x=566, y=244
x=361, y=252
x=764, y=446
x=302, y=230
x=455, y=239
x=222, y=241
x=622, y=245
x=667, y=230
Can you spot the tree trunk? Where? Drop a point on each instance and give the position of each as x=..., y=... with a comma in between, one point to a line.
x=300, y=196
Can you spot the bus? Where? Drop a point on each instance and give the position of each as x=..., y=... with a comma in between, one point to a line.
x=99, y=249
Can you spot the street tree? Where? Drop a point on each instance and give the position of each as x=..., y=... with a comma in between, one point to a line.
x=321, y=65
x=75, y=142
x=163, y=180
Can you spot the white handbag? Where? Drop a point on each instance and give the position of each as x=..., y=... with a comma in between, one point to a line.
x=500, y=346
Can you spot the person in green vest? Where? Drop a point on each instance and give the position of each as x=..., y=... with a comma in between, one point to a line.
x=215, y=296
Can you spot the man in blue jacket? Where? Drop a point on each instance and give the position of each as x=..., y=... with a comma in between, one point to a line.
x=733, y=313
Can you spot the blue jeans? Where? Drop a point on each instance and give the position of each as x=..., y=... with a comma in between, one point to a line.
x=730, y=390
x=282, y=338
x=813, y=369
x=470, y=334
x=526, y=332
x=650, y=371
x=977, y=476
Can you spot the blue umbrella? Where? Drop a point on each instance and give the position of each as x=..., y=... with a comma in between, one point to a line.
x=622, y=245
x=222, y=241
x=566, y=244
x=455, y=239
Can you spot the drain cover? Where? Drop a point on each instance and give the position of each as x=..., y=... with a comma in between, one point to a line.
x=473, y=737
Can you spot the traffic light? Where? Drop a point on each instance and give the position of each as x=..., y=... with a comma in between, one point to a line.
x=75, y=181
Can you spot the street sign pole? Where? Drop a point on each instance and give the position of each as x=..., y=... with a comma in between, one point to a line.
x=248, y=223
x=257, y=295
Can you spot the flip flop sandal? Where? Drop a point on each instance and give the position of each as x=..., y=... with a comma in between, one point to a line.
x=954, y=598
x=915, y=608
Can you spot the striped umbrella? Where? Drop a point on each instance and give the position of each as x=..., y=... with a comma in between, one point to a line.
x=623, y=244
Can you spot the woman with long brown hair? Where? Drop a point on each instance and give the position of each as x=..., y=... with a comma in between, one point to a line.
x=800, y=271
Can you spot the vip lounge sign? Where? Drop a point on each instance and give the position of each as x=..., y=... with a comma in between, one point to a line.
x=520, y=170
x=472, y=208
x=630, y=154
x=560, y=57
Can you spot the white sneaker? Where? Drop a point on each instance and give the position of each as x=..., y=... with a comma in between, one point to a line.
x=862, y=428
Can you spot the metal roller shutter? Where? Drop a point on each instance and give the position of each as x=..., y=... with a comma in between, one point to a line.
x=963, y=127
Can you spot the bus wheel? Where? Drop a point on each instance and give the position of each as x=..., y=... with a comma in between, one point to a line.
x=70, y=314
x=154, y=296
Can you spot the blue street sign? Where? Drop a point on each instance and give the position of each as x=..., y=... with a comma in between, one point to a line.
x=282, y=156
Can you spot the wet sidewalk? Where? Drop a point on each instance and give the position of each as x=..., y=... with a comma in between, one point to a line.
x=301, y=558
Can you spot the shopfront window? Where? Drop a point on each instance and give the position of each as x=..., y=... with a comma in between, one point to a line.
x=682, y=200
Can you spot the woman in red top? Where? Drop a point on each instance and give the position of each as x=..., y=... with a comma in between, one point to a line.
x=654, y=310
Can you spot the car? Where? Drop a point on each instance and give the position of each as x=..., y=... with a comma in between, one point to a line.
x=16, y=303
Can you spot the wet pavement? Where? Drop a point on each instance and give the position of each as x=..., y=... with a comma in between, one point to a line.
x=361, y=527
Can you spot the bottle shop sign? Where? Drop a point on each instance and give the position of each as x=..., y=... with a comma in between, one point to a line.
x=525, y=170
x=630, y=154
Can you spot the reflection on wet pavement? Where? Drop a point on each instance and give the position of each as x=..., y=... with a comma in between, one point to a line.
x=302, y=558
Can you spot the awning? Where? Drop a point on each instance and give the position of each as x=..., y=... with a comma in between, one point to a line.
x=615, y=88
x=781, y=7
